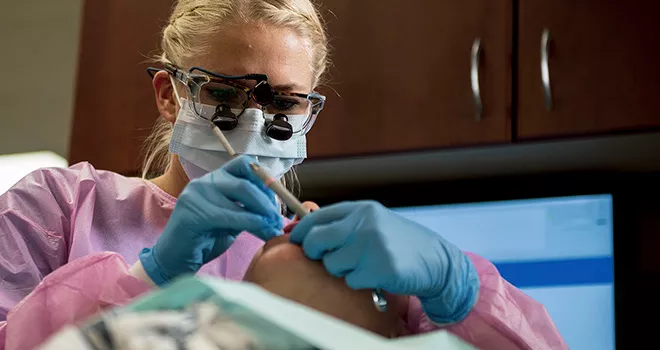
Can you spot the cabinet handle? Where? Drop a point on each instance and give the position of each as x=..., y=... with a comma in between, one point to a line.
x=474, y=77
x=545, y=69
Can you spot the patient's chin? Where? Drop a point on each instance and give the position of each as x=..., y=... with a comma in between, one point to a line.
x=282, y=268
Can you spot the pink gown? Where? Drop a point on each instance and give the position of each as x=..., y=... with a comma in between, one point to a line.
x=68, y=237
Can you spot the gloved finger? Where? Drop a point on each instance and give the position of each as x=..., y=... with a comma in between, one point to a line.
x=360, y=278
x=322, y=239
x=246, y=193
x=240, y=167
x=341, y=262
x=221, y=244
x=322, y=216
x=221, y=214
x=238, y=219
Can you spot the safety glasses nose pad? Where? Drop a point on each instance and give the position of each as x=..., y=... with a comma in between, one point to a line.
x=279, y=128
x=224, y=118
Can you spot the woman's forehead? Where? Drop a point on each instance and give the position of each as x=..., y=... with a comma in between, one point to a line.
x=278, y=52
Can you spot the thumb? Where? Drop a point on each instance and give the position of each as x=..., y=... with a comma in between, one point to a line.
x=220, y=245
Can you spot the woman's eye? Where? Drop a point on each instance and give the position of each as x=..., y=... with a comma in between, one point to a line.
x=223, y=95
x=284, y=104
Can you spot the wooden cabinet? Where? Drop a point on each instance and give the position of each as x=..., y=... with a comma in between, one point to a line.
x=406, y=74
x=114, y=108
x=403, y=73
x=603, y=66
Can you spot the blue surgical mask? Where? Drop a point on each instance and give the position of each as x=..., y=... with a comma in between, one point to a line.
x=200, y=151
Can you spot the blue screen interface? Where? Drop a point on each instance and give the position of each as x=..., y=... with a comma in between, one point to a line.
x=558, y=251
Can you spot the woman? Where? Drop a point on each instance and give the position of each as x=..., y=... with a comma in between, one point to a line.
x=258, y=63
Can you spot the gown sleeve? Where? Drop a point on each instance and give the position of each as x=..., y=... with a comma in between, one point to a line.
x=34, y=223
x=71, y=294
x=503, y=317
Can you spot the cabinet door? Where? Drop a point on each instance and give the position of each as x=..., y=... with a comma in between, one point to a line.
x=114, y=107
x=403, y=71
x=602, y=66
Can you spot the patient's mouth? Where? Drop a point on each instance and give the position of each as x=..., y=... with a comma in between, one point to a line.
x=288, y=228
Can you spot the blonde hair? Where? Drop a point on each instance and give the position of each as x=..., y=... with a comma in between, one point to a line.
x=192, y=24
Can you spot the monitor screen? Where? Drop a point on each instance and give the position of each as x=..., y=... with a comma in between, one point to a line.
x=559, y=251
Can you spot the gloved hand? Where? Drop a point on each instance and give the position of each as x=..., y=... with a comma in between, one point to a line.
x=209, y=214
x=372, y=247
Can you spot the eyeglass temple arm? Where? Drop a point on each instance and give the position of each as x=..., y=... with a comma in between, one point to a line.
x=168, y=68
x=152, y=71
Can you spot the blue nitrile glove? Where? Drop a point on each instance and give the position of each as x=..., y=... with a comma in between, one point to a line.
x=207, y=219
x=372, y=247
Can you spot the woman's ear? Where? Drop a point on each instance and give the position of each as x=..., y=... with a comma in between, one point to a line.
x=166, y=100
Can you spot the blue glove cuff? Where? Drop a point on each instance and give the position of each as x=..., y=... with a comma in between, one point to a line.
x=152, y=268
x=456, y=299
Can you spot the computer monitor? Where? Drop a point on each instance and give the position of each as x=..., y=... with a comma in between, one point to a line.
x=557, y=250
x=634, y=239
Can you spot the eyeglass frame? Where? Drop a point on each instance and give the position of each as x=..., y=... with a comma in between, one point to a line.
x=194, y=82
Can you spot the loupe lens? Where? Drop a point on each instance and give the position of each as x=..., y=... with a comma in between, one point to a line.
x=263, y=93
x=224, y=118
x=279, y=128
x=297, y=109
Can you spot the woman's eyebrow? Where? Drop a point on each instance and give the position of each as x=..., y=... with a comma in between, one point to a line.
x=288, y=87
x=291, y=87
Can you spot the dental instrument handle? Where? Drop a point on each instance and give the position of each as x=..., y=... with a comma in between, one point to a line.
x=223, y=140
x=291, y=201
